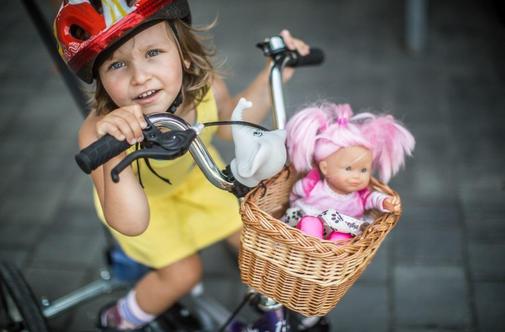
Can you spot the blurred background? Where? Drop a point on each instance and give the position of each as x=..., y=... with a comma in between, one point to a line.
x=438, y=65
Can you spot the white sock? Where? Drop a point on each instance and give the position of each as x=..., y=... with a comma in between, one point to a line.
x=132, y=316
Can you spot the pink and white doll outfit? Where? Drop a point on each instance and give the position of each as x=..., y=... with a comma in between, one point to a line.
x=318, y=141
x=312, y=197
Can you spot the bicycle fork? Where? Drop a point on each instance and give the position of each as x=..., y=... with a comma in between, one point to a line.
x=272, y=318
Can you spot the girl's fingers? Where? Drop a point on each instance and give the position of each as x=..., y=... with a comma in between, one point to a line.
x=294, y=43
x=288, y=39
x=134, y=124
x=108, y=128
x=131, y=129
x=118, y=127
x=301, y=47
x=137, y=112
x=125, y=123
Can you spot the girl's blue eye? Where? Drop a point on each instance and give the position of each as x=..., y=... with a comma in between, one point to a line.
x=116, y=65
x=364, y=170
x=152, y=53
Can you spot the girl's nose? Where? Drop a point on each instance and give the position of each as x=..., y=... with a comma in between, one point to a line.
x=139, y=75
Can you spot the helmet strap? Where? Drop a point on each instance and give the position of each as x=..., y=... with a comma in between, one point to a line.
x=179, y=99
x=176, y=103
x=174, y=30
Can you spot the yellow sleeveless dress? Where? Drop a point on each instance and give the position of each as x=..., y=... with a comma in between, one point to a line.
x=187, y=215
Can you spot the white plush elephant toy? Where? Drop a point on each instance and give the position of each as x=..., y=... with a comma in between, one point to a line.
x=259, y=154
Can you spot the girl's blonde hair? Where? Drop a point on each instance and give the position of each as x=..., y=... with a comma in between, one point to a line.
x=196, y=77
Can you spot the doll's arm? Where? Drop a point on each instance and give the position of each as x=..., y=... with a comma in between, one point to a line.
x=375, y=200
x=304, y=186
x=380, y=201
x=392, y=204
x=297, y=191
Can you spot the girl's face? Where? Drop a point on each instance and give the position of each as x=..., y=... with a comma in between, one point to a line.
x=348, y=169
x=146, y=70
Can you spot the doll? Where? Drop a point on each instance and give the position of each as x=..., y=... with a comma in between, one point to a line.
x=339, y=152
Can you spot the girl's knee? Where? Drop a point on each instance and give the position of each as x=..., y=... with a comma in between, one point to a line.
x=193, y=274
x=234, y=240
x=185, y=273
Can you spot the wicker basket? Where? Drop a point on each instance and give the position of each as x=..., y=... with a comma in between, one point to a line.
x=303, y=273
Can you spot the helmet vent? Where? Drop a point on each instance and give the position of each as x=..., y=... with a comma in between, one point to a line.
x=79, y=33
x=97, y=4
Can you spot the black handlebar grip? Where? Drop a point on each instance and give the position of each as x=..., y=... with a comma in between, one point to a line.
x=315, y=57
x=99, y=152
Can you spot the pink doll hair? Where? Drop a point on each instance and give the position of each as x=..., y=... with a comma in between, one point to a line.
x=316, y=132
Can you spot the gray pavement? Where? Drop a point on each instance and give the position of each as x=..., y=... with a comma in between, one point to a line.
x=442, y=269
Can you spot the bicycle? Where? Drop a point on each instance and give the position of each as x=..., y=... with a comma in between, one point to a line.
x=20, y=310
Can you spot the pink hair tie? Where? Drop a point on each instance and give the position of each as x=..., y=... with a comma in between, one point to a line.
x=344, y=112
x=342, y=122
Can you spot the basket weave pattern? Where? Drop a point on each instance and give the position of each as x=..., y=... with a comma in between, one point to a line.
x=301, y=272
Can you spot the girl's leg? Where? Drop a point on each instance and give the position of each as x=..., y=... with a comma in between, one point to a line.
x=161, y=288
x=234, y=240
x=154, y=293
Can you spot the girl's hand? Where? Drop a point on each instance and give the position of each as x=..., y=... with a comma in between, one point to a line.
x=293, y=44
x=123, y=123
x=392, y=204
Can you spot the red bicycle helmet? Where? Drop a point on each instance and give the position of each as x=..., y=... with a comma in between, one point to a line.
x=86, y=28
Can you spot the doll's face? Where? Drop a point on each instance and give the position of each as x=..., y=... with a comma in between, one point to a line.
x=348, y=169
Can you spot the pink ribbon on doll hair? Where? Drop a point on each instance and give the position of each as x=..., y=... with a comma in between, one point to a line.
x=342, y=122
x=344, y=112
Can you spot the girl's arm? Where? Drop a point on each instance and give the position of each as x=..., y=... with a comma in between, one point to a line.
x=124, y=204
x=257, y=91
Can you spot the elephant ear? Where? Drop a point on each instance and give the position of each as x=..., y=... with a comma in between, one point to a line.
x=259, y=156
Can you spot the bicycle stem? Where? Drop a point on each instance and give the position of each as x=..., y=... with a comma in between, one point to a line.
x=276, y=93
x=197, y=149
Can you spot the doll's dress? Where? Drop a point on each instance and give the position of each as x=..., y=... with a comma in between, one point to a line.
x=312, y=196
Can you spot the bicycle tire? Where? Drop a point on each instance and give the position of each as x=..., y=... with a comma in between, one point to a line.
x=181, y=318
x=19, y=308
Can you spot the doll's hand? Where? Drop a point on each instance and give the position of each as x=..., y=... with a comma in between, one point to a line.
x=392, y=204
x=293, y=44
x=123, y=123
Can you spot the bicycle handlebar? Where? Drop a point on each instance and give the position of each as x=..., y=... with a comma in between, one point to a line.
x=315, y=57
x=184, y=137
x=99, y=152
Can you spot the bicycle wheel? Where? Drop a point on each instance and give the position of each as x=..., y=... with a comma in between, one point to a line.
x=19, y=309
x=180, y=318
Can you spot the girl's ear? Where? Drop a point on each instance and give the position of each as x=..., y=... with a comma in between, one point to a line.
x=186, y=63
x=323, y=167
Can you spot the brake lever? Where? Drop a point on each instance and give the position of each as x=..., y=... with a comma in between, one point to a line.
x=158, y=145
x=275, y=48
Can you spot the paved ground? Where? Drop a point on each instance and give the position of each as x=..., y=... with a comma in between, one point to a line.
x=441, y=269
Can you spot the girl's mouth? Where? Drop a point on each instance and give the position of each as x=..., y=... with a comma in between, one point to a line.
x=147, y=94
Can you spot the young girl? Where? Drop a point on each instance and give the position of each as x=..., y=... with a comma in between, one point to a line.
x=340, y=151
x=145, y=58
